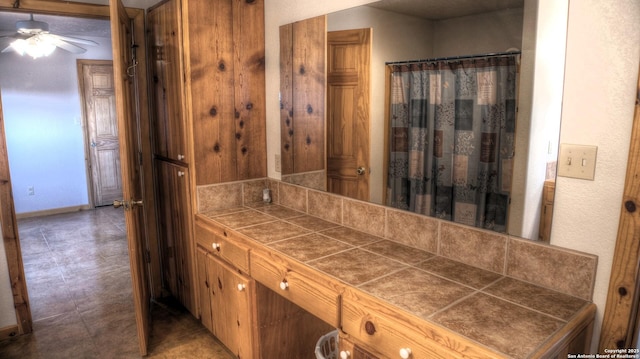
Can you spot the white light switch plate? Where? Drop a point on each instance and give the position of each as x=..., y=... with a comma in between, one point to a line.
x=577, y=161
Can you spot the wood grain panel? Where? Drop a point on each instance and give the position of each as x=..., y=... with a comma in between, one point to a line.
x=314, y=295
x=204, y=299
x=349, y=57
x=620, y=321
x=165, y=63
x=286, y=330
x=249, y=81
x=286, y=98
x=210, y=71
x=309, y=84
x=232, y=297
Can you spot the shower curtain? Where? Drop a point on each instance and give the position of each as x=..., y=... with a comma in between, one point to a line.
x=452, y=139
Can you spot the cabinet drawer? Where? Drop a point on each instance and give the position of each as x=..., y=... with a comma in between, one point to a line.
x=319, y=296
x=385, y=330
x=222, y=246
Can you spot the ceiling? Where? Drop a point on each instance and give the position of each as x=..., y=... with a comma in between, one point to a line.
x=445, y=9
x=431, y=9
x=59, y=25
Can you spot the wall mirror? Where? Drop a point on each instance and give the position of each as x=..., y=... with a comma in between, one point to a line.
x=404, y=30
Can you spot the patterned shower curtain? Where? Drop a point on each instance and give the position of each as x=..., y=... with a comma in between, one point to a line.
x=452, y=139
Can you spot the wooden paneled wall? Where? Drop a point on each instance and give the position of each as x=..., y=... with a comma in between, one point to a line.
x=302, y=95
x=224, y=47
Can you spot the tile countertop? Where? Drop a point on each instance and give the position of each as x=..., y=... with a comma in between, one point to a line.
x=507, y=315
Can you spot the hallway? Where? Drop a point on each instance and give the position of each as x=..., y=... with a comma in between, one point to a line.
x=77, y=271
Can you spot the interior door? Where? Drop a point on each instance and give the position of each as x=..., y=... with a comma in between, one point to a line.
x=348, y=70
x=126, y=87
x=98, y=93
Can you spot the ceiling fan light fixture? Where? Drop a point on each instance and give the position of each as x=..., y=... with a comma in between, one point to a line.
x=35, y=46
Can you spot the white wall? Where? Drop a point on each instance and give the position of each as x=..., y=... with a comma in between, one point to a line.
x=42, y=113
x=603, y=53
x=43, y=123
x=497, y=31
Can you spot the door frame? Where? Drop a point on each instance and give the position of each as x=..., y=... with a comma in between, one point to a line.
x=621, y=318
x=7, y=210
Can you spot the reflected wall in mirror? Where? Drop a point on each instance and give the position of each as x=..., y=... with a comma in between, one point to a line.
x=399, y=36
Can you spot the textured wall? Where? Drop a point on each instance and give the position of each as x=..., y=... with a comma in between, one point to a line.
x=603, y=54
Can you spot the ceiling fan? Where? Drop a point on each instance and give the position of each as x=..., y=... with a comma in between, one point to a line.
x=34, y=39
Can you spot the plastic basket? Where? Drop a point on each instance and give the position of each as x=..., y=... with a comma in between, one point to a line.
x=327, y=346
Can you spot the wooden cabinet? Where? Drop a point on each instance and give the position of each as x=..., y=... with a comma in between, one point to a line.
x=227, y=299
x=314, y=293
x=165, y=64
x=224, y=54
x=174, y=231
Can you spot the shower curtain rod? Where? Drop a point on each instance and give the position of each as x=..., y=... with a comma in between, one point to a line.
x=495, y=54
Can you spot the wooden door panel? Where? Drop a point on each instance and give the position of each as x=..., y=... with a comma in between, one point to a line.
x=348, y=70
x=126, y=90
x=98, y=94
x=231, y=294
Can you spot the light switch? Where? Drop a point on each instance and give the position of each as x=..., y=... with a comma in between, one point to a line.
x=577, y=161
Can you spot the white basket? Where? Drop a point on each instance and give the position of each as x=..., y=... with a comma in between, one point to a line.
x=327, y=346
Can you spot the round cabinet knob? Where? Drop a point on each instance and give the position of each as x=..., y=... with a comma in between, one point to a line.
x=181, y=157
x=284, y=285
x=180, y=173
x=241, y=287
x=405, y=353
x=345, y=354
x=216, y=246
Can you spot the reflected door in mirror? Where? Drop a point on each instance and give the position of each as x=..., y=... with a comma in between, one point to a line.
x=348, y=54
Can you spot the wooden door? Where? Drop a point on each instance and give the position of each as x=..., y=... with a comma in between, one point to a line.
x=348, y=72
x=126, y=85
x=167, y=88
x=99, y=107
x=231, y=296
x=174, y=213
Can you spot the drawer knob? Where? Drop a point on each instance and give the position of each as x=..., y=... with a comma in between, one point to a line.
x=369, y=327
x=405, y=353
x=216, y=246
x=284, y=285
x=345, y=354
x=241, y=287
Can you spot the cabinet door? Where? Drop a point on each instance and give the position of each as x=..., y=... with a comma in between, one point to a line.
x=174, y=231
x=232, y=311
x=165, y=63
x=203, y=288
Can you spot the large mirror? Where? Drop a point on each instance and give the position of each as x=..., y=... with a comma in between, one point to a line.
x=403, y=30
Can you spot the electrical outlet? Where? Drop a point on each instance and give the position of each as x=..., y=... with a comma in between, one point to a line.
x=31, y=191
x=577, y=161
x=278, y=163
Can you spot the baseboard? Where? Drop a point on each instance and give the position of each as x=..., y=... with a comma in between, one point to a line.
x=48, y=212
x=8, y=332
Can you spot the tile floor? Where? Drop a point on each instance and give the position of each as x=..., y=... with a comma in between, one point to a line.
x=77, y=271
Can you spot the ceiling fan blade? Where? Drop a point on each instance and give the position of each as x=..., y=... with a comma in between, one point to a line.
x=76, y=40
x=74, y=49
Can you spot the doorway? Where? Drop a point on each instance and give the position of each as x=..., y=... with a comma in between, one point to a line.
x=41, y=114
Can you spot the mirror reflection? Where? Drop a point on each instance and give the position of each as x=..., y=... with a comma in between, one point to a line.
x=335, y=113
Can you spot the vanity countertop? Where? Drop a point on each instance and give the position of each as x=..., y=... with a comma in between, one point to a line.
x=504, y=314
